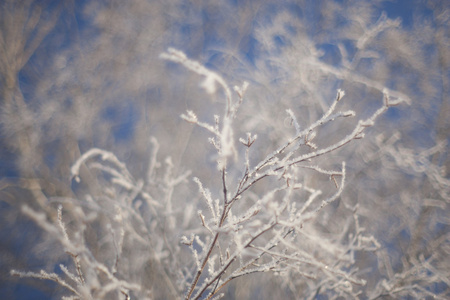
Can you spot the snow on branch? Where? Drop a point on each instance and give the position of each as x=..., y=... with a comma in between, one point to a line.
x=105, y=156
x=263, y=218
x=225, y=143
x=211, y=78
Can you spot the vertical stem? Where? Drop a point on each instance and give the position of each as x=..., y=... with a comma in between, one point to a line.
x=216, y=237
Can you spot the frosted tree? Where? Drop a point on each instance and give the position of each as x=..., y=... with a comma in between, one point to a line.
x=272, y=183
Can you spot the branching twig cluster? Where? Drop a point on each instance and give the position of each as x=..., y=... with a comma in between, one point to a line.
x=263, y=237
x=119, y=213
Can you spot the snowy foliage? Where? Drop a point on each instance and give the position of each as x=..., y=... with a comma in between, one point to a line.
x=288, y=151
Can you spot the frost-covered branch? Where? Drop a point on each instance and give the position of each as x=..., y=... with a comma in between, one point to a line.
x=248, y=228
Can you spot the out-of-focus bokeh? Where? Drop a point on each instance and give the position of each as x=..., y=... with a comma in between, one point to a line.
x=76, y=75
